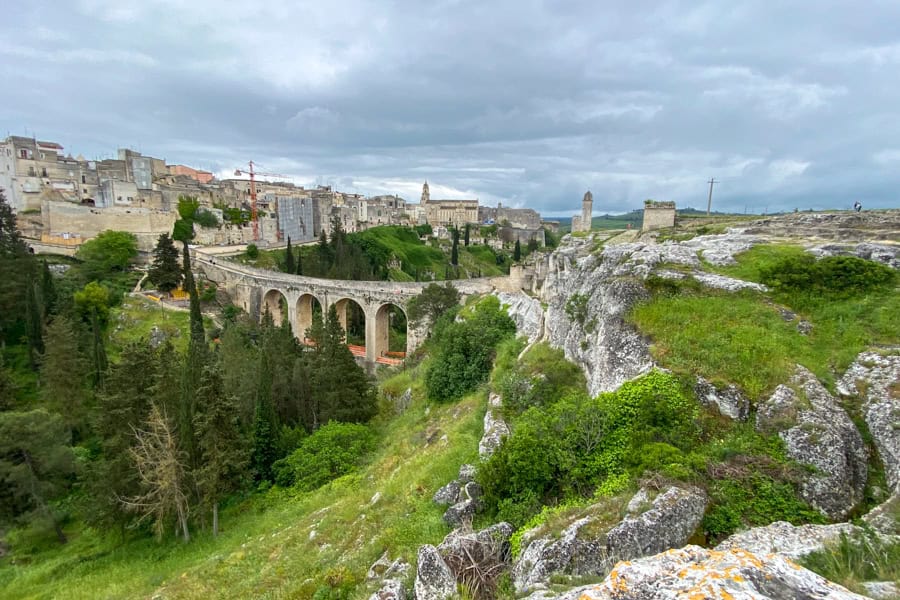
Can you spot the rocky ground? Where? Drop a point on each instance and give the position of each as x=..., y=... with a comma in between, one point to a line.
x=581, y=308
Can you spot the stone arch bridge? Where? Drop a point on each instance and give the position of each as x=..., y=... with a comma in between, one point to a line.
x=258, y=290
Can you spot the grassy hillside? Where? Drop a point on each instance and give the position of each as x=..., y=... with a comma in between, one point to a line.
x=281, y=544
x=418, y=260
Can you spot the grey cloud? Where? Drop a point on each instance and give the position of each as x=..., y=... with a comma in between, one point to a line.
x=525, y=102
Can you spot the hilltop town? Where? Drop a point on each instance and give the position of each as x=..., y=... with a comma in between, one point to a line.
x=63, y=200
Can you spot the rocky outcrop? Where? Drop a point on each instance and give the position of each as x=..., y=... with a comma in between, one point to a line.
x=526, y=311
x=882, y=518
x=655, y=524
x=818, y=433
x=669, y=522
x=544, y=556
x=875, y=378
x=728, y=401
x=886, y=255
x=391, y=576
x=694, y=572
x=462, y=495
x=788, y=540
x=434, y=581
x=495, y=428
x=493, y=540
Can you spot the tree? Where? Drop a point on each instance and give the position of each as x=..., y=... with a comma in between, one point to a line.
x=341, y=388
x=122, y=407
x=160, y=466
x=289, y=266
x=11, y=243
x=467, y=235
x=63, y=375
x=7, y=388
x=165, y=272
x=36, y=466
x=223, y=453
x=454, y=251
x=517, y=251
x=195, y=360
x=109, y=251
x=299, y=261
x=15, y=266
x=434, y=301
x=93, y=302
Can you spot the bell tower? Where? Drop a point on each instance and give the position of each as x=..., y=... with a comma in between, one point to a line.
x=587, y=210
x=426, y=195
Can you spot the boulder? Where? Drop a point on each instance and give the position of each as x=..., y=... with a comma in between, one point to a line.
x=461, y=513
x=784, y=539
x=391, y=589
x=488, y=547
x=883, y=518
x=434, y=581
x=729, y=401
x=449, y=494
x=875, y=377
x=669, y=522
x=378, y=568
x=526, y=311
x=882, y=590
x=544, y=556
x=818, y=433
x=694, y=572
x=495, y=429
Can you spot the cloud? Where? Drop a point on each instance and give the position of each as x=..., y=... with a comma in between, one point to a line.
x=528, y=103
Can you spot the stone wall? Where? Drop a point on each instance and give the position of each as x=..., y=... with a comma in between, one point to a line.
x=146, y=224
x=658, y=215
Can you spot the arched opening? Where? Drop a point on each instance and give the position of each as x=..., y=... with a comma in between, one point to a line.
x=308, y=308
x=390, y=334
x=276, y=305
x=353, y=319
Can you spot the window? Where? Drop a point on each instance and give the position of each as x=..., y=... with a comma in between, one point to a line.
x=23, y=153
x=43, y=156
x=43, y=171
x=83, y=179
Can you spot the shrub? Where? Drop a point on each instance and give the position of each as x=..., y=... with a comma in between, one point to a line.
x=576, y=307
x=204, y=218
x=465, y=350
x=333, y=450
x=252, y=251
x=837, y=276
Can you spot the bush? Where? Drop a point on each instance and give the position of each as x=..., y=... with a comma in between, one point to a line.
x=204, y=218
x=836, y=276
x=252, y=251
x=332, y=451
x=466, y=349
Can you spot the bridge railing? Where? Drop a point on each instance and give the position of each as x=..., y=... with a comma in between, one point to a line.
x=403, y=287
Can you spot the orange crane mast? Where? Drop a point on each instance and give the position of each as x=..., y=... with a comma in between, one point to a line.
x=253, y=212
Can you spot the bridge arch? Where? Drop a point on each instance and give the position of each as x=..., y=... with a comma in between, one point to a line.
x=307, y=307
x=276, y=304
x=390, y=332
x=351, y=314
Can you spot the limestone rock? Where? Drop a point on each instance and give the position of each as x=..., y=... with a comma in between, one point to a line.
x=882, y=519
x=730, y=401
x=671, y=519
x=787, y=540
x=694, y=572
x=527, y=313
x=434, y=581
x=875, y=376
x=399, y=569
x=391, y=589
x=466, y=473
x=461, y=513
x=818, y=433
x=543, y=557
x=447, y=495
x=473, y=491
x=495, y=429
x=378, y=568
x=882, y=590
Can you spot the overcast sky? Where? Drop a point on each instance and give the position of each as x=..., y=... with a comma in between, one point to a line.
x=788, y=104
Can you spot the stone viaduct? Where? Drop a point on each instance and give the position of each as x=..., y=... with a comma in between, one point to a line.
x=258, y=290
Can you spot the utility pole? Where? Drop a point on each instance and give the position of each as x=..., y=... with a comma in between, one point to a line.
x=711, y=183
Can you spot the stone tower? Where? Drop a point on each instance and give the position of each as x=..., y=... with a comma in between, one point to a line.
x=587, y=210
x=426, y=195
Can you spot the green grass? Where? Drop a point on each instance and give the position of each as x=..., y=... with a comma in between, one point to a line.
x=741, y=338
x=265, y=549
x=853, y=560
x=134, y=319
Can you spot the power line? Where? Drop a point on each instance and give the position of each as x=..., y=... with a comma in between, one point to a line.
x=711, y=183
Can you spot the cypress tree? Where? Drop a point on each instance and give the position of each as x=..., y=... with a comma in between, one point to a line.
x=63, y=376
x=164, y=272
x=289, y=266
x=48, y=290
x=193, y=366
x=7, y=388
x=299, y=261
x=517, y=251
x=454, y=251
x=223, y=453
x=467, y=235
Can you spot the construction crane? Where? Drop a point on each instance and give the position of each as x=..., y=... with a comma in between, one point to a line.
x=253, y=214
